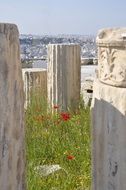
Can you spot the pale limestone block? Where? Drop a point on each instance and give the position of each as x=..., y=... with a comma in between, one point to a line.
x=109, y=113
x=87, y=91
x=109, y=137
x=35, y=84
x=12, y=164
x=63, y=75
x=112, y=56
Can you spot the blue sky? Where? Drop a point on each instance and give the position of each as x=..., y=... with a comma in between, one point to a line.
x=63, y=16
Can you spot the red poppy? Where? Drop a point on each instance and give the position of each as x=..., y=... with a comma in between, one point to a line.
x=55, y=106
x=65, y=116
x=70, y=157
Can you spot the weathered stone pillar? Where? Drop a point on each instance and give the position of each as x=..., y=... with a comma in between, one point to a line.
x=35, y=83
x=109, y=112
x=63, y=75
x=11, y=111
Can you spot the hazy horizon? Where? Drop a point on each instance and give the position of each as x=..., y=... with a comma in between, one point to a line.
x=57, y=34
x=79, y=17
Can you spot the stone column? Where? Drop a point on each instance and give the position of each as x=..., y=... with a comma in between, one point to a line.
x=11, y=111
x=109, y=112
x=63, y=75
x=35, y=83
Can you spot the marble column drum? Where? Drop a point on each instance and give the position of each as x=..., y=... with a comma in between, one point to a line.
x=12, y=161
x=109, y=112
x=35, y=84
x=63, y=75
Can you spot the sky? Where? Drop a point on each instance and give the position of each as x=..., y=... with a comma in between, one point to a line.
x=54, y=17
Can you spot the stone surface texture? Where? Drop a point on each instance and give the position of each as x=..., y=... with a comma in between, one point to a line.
x=87, y=91
x=112, y=56
x=109, y=114
x=35, y=81
x=63, y=75
x=11, y=111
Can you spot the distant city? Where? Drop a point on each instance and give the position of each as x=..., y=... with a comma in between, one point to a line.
x=34, y=55
x=35, y=47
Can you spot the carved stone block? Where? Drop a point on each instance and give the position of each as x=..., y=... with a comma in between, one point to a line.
x=109, y=112
x=112, y=56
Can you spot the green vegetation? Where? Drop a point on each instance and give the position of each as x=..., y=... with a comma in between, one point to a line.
x=58, y=138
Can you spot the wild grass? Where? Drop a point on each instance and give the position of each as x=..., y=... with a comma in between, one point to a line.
x=58, y=139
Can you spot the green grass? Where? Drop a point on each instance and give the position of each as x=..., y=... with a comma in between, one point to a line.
x=51, y=140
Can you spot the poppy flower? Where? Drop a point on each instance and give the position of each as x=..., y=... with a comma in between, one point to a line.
x=65, y=116
x=55, y=106
x=70, y=157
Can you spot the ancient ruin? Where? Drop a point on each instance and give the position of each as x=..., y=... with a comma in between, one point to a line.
x=35, y=82
x=12, y=164
x=63, y=75
x=87, y=91
x=109, y=112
